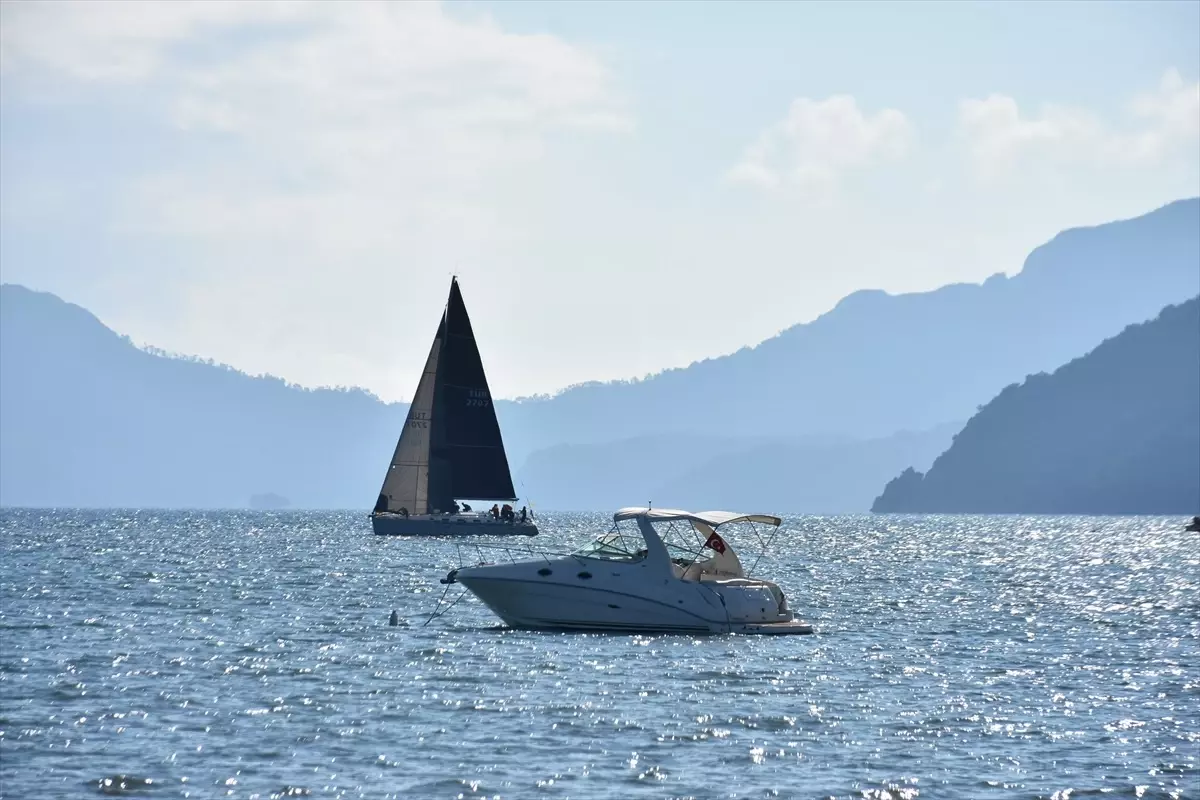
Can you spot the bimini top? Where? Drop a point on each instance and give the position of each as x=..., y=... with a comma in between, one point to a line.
x=711, y=518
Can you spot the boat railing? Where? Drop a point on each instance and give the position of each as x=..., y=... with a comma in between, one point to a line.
x=512, y=552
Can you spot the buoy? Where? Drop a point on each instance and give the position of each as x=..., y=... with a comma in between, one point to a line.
x=394, y=620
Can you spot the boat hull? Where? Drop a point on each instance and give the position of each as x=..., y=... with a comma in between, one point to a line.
x=611, y=598
x=448, y=525
x=526, y=606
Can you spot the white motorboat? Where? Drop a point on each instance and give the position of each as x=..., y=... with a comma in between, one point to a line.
x=450, y=448
x=657, y=570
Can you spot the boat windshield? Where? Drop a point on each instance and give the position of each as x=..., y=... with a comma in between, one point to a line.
x=625, y=543
x=687, y=543
x=613, y=546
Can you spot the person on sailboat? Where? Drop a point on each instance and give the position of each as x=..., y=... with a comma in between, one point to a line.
x=495, y=511
x=524, y=515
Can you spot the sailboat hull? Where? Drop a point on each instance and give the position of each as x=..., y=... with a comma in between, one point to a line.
x=448, y=525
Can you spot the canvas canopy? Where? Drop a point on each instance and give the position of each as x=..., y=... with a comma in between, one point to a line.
x=712, y=519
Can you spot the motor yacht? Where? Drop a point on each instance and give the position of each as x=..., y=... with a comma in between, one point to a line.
x=656, y=571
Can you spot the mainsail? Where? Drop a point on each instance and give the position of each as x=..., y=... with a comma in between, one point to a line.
x=451, y=446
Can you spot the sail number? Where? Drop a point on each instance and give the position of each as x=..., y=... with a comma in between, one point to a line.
x=478, y=398
x=419, y=420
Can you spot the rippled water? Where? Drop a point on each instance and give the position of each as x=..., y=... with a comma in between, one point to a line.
x=243, y=655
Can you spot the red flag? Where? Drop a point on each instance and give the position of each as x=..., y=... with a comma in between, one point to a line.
x=715, y=542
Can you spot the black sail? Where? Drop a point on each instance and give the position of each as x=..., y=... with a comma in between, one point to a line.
x=450, y=447
x=467, y=458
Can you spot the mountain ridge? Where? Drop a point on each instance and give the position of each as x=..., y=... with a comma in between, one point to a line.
x=88, y=419
x=1115, y=431
x=1034, y=264
x=1082, y=286
x=814, y=474
x=161, y=431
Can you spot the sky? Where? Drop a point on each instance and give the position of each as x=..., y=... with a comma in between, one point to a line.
x=287, y=187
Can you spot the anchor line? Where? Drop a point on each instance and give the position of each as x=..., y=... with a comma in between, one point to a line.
x=453, y=603
x=434, y=613
x=442, y=612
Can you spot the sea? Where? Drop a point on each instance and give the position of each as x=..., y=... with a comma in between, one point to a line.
x=165, y=654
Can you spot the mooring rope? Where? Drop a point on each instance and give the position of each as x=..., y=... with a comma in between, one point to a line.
x=438, y=613
x=434, y=613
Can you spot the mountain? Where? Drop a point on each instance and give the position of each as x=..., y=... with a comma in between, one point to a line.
x=88, y=419
x=880, y=363
x=830, y=474
x=575, y=477
x=1114, y=432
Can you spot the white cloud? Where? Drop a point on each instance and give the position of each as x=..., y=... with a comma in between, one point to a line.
x=818, y=141
x=999, y=137
x=349, y=149
x=380, y=114
x=1173, y=113
x=285, y=186
x=116, y=40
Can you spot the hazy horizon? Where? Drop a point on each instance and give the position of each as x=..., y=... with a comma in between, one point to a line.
x=822, y=437
x=286, y=188
x=153, y=347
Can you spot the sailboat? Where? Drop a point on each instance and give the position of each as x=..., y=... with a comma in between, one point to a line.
x=450, y=448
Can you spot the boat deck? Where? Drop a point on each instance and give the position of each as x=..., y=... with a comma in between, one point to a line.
x=448, y=525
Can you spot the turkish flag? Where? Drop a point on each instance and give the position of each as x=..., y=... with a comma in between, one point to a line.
x=715, y=542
